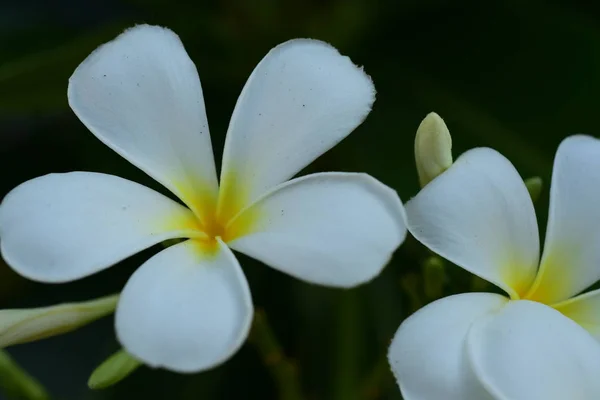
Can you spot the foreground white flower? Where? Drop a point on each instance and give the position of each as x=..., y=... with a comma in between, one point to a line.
x=540, y=342
x=189, y=308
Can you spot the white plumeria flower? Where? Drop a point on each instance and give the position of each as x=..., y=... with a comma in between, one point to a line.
x=540, y=342
x=189, y=308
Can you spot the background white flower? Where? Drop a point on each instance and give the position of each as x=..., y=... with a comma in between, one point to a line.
x=538, y=343
x=189, y=308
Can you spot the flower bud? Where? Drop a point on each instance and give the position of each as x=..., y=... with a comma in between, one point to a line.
x=27, y=325
x=534, y=187
x=114, y=369
x=433, y=148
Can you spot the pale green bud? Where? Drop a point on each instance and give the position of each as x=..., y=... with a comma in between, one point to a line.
x=433, y=148
x=114, y=369
x=27, y=325
x=534, y=187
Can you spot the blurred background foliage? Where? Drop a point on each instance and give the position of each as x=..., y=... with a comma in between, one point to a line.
x=518, y=76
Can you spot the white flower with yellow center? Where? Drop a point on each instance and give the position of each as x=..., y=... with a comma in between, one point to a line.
x=188, y=308
x=541, y=341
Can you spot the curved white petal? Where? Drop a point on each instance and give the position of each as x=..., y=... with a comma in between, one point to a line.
x=428, y=353
x=478, y=214
x=29, y=324
x=571, y=259
x=62, y=227
x=187, y=309
x=300, y=101
x=141, y=96
x=585, y=310
x=528, y=350
x=335, y=229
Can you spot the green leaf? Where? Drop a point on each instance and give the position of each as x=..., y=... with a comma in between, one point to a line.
x=17, y=382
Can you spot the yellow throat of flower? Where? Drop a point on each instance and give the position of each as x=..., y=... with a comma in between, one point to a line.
x=217, y=214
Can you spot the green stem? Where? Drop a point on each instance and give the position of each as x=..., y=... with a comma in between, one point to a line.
x=375, y=385
x=17, y=382
x=433, y=278
x=347, y=341
x=282, y=369
x=412, y=286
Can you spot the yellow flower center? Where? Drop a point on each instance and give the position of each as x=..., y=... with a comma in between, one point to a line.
x=215, y=216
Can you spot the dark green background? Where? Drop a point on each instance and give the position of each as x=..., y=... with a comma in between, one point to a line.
x=518, y=76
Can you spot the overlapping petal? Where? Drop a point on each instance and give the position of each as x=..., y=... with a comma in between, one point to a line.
x=62, y=227
x=571, y=259
x=187, y=309
x=428, y=353
x=585, y=310
x=528, y=350
x=478, y=214
x=140, y=94
x=335, y=229
x=300, y=100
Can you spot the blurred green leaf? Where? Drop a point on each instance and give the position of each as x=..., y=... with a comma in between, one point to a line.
x=37, y=82
x=17, y=382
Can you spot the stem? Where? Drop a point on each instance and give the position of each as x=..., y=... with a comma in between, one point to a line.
x=347, y=340
x=376, y=383
x=374, y=386
x=412, y=286
x=17, y=382
x=433, y=278
x=282, y=369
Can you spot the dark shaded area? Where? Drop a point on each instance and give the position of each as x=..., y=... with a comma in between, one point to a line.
x=517, y=76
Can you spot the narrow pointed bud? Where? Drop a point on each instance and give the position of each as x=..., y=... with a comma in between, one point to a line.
x=433, y=148
x=27, y=325
x=114, y=369
x=534, y=187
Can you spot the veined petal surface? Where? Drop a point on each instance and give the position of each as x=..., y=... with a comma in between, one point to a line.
x=186, y=309
x=62, y=227
x=334, y=229
x=300, y=101
x=140, y=94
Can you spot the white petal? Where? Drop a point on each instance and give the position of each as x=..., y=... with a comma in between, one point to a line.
x=300, y=101
x=335, y=229
x=185, y=309
x=571, y=259
x=26, y=325
x=585, y=310
x=428, y=354
x=140, y=94
x=62, y=227
x=528, y=350
x=478, y=214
